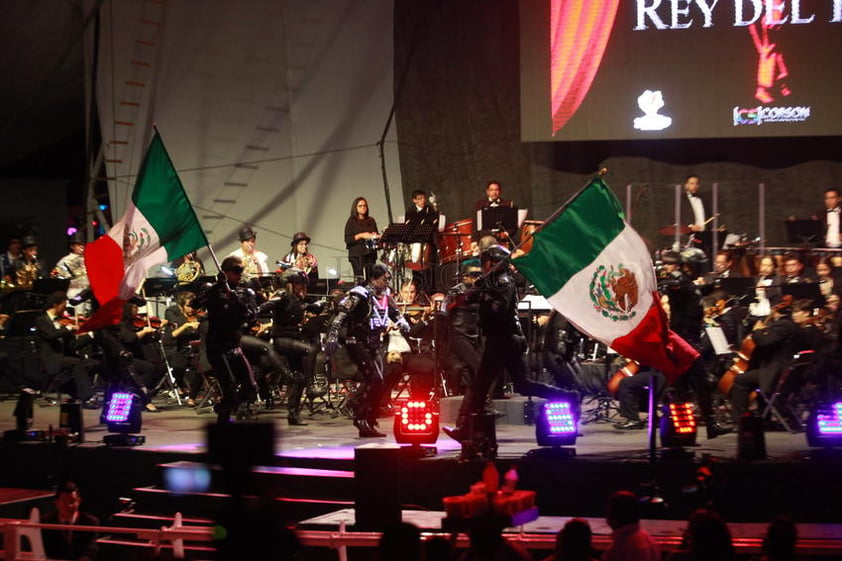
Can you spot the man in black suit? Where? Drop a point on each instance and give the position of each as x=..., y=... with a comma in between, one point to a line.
x=776, y=340
x=695, y=211
x=423, y=253
x=829, y=219
x=492, y=197
x=57, y=342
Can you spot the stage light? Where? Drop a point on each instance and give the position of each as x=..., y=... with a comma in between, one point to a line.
x=678, y=425
x=121, y=414
x=556, y=424
x=824, y=426
x=416, y=422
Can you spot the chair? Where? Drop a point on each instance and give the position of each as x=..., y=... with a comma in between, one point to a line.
x=779, y=404
x=211, y=391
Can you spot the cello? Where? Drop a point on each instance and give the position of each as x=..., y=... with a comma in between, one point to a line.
x=628, y=370
x=743, y=358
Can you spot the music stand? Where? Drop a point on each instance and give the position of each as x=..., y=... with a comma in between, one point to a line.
x=49, y=285
x=159, y=286
x=498, y=217
x=736, y=286
x=804, y=231
x=805, y=290
x=396, y=233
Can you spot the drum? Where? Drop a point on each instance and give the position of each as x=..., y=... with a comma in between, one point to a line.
x=527, y=230
x=417, y=256
x=455, y=239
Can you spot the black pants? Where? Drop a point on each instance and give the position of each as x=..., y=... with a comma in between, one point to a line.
x=505, y=353
x=745, y=383
x=362, y=264
x=301, y=356
x=466, y=354
x=235, y=377
x=366, y=399
x=633, y=388
x=74, y=379
x=185, y=377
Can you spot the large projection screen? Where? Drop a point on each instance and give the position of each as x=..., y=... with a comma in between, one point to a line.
x=640, y=69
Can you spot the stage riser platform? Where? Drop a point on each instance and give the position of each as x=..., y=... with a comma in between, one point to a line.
x=743, y=491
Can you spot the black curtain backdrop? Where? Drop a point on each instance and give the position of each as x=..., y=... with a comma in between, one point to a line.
x=458, y=122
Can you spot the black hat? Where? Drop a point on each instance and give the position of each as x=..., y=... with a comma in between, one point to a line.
x=246, y=233
x=28, y=241
x=378, y=270
x=670, y=257
x=76, y=238
x=495, y=253
x=298, y=237
x=295, y=276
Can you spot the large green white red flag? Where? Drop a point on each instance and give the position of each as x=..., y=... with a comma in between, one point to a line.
x=595, y=269
x=158, y=226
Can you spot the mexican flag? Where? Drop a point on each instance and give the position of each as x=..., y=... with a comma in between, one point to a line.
x=596, y=270
x=159, y=225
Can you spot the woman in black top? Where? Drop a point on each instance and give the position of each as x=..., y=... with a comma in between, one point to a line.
x=360, y=236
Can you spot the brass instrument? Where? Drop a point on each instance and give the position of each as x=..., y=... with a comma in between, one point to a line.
x=250, y=266
x=188, y=272
x=26, y=275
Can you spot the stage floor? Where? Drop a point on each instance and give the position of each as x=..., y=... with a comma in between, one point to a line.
x=182, y=430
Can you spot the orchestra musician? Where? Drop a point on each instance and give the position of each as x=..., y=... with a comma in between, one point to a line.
x=137, y=336
x=363, y=316
x=57, y=345
x=360, y=239
x=776, y=340
x=794, y=270
x=72, y=266
x=828, y=217
x=695, y=205
x=254, y=261
x=299, y=256
x=230, y=307
x=421, y=213
x=28, y=268
x=493, y=190
x=182, y=328
x=417, y=309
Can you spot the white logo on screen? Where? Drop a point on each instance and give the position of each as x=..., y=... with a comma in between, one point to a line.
x=650, y=102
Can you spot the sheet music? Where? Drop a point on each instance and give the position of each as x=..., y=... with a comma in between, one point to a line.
x=718, y=340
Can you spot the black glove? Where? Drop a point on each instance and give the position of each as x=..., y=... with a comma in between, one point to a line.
x=331, y=343
x=520, y=343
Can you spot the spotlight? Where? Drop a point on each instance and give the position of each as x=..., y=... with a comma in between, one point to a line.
x=121, y=414
x=678, y=425
x=556, y=424
x=416, y=423
x=824, y=426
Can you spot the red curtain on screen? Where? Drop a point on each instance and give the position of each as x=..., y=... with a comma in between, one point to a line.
x=579, y=33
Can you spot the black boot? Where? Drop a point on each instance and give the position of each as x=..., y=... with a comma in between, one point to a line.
x=366, y=430
x=714, y=429
x=294, y=418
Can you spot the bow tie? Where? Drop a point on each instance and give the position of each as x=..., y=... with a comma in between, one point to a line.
x=494, y=202
x=692, y=196
x=834, y=210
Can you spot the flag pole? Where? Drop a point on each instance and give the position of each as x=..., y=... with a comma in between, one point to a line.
x=598, y=175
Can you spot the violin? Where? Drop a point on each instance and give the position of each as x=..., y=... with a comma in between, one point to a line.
x=147, y=321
